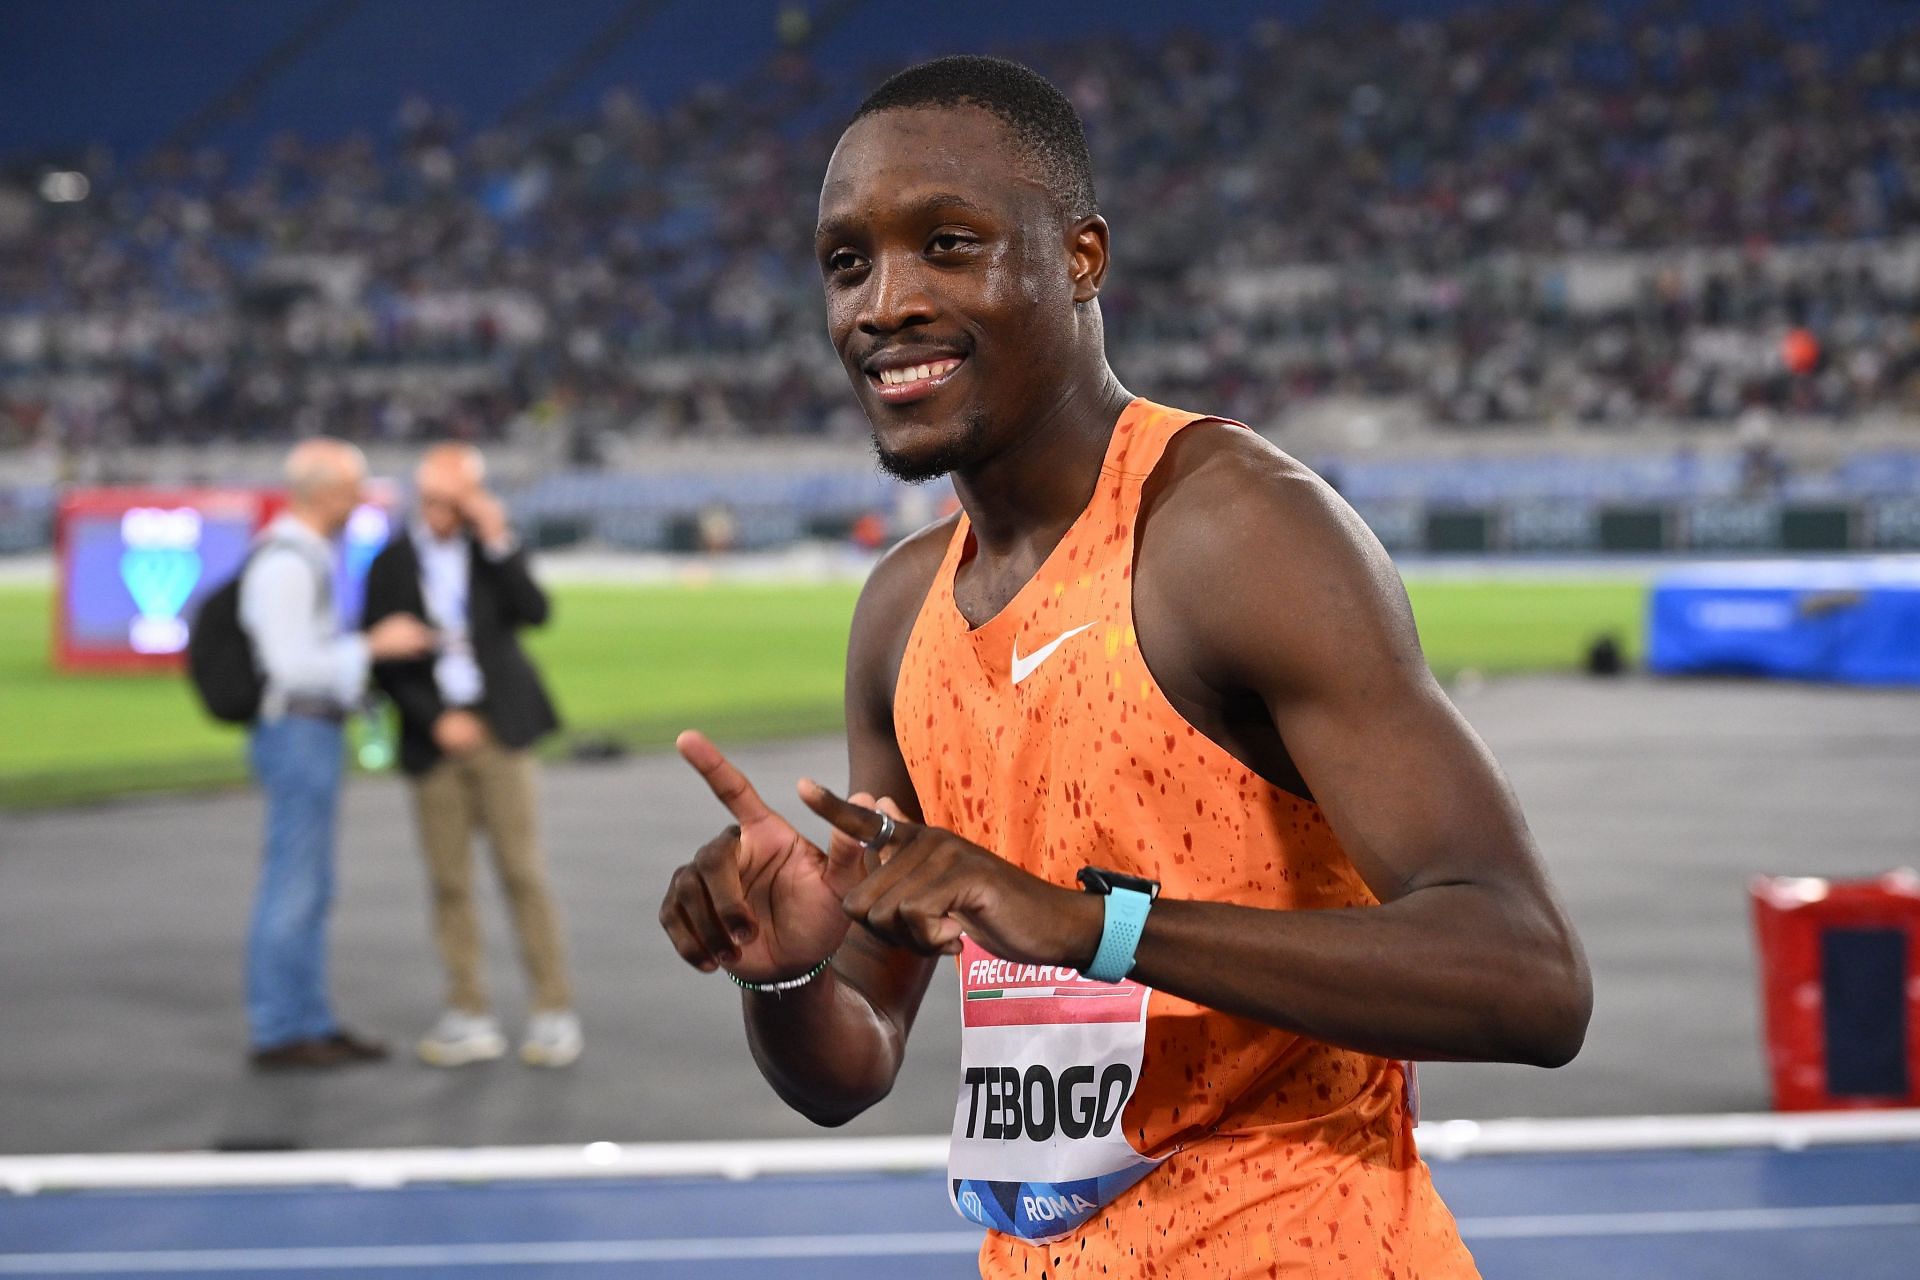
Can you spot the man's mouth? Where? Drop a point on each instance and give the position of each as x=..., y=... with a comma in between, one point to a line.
x=912, y=382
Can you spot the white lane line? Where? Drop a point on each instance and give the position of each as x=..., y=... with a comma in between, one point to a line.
x=369, y=1257
x=1438, y=1140
x=1683, y=1222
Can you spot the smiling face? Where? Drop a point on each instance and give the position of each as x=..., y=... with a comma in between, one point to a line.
x=951, y=281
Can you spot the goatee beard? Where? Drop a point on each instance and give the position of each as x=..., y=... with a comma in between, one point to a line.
x=947, y=458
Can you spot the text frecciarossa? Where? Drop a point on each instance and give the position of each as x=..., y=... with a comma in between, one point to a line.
x=990, y=971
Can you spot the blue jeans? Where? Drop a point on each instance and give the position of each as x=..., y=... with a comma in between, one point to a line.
x=299, y=761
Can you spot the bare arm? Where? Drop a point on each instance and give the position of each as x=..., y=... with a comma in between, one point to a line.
x=837, y=1050
x=833, y=1047
x=1469, y=955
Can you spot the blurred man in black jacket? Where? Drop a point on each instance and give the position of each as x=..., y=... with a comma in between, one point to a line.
x=468, y=717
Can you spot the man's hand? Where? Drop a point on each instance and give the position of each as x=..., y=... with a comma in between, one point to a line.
x=486, y=516
x=930, y=886
x=400, y=636
x=459, y=732
x=759, y=898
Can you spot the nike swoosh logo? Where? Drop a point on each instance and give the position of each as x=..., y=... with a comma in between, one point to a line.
x=1024, y=667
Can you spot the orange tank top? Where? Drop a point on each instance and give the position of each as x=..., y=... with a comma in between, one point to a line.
x=1121, y=1124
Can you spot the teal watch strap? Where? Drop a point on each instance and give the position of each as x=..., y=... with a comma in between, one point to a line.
x=1120, y=934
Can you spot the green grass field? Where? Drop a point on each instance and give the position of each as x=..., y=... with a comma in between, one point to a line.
x=638, y=664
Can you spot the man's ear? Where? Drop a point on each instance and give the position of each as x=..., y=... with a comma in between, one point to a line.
x=1087, y=249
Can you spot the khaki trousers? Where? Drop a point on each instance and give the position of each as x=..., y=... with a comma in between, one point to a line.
x=496, y=789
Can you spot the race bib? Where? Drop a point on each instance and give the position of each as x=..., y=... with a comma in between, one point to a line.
x=1048, y=1063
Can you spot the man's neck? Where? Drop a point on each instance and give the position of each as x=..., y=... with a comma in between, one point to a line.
x=428, y=537
x=1041, y=483
x=311, y=522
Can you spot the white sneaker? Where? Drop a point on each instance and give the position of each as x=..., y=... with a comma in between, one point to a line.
x=553, y=1039
x=460, y=1037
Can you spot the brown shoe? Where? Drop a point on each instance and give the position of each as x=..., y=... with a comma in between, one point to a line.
x=358, y=1048
x=300, y=1055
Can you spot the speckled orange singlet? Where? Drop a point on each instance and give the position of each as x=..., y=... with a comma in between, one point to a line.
x=1278, y=1155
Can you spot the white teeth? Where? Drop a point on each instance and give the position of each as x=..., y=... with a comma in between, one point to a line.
x=917, y=373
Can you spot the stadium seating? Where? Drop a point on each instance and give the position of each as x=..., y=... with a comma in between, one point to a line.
x=1597, y=215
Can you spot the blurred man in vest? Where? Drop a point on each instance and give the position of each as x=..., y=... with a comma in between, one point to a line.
x=315, y=675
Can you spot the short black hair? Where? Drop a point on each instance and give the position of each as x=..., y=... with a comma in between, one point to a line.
x=1043, y=122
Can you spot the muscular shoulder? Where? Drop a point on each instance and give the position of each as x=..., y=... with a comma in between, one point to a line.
x=907, y=569
x=1262, y=562
x=890, y=602
x=1215, y=474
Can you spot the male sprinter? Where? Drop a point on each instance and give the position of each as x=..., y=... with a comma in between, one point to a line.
x=1143, y=735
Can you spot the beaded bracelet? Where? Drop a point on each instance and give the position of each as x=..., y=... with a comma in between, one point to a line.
x=777, y=988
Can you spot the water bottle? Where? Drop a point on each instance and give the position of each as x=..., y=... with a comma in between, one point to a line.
x=373, y=737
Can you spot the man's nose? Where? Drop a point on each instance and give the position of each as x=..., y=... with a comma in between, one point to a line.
x=896, y=295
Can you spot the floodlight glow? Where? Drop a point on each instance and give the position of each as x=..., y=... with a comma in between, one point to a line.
x=64, y=186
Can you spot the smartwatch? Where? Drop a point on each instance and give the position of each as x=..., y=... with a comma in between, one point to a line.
x=1128, y=900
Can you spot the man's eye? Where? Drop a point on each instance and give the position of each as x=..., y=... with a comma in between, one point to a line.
x=948, y=243
x=843, y=260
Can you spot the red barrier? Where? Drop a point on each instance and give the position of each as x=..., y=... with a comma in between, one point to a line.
x=1840, y=989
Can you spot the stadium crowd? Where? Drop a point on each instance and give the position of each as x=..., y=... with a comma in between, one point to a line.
x=1513, y=214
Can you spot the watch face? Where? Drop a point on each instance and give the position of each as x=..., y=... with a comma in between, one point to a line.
x=1102, y=880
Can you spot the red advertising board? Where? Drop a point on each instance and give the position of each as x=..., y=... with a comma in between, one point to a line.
x=133, y=565
x=1840, y=989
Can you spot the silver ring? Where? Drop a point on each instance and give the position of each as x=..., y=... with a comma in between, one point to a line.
x=881, y=837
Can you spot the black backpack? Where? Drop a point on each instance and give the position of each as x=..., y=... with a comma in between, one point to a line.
x=220, y=658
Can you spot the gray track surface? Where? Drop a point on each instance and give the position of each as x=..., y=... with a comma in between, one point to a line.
x=121, y=929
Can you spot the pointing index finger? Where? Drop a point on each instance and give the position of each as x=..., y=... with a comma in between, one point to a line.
x=730, y=786
x=861, y=823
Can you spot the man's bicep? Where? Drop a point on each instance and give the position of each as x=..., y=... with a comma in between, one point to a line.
x=1414, y=795
x=874, y=762
x=1411, y=791
x=876, y=640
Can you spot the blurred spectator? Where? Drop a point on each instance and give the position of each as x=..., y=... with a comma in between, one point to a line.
x=314, y=675
x=1518, y=214
x=469, y=717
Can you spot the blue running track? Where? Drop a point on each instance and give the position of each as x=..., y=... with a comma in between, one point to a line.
x=1742, y=1214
